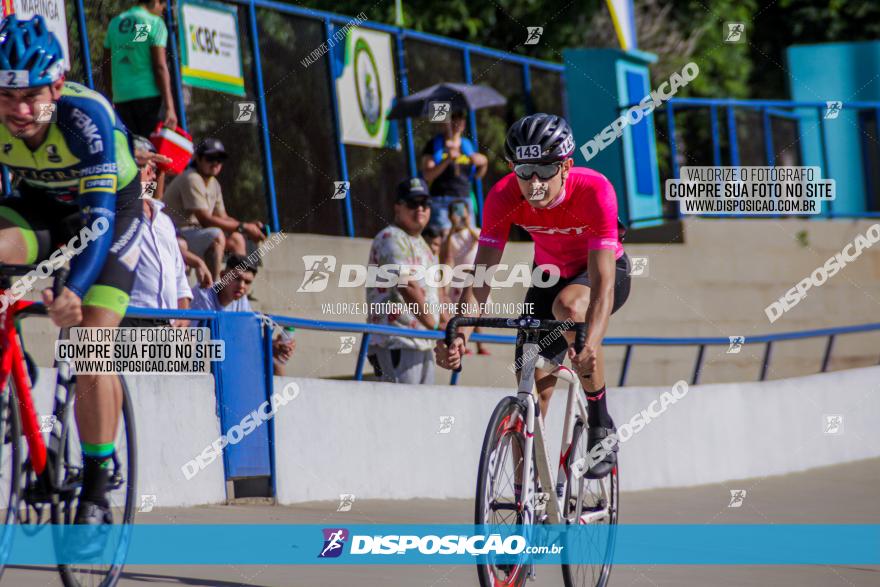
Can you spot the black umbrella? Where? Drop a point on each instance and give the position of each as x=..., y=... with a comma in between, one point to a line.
x=460, y=96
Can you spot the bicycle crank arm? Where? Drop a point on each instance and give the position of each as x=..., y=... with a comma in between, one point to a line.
x=594, y=517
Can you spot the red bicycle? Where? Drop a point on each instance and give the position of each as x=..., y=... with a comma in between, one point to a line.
x=40, y=480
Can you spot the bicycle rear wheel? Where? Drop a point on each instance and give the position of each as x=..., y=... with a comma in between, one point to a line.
x=10, y=471
x=589, y=501
x=497, y=500
x=122, y=494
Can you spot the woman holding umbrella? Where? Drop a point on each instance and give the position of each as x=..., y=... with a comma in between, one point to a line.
x=449, y=163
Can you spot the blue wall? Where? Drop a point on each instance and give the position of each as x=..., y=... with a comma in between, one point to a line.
x=848, y=72
x=600, y=84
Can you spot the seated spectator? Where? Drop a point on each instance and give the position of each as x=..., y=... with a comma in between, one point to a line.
x=402, y=359
x=449, y=163
x=138, y=80
x=195, y=203
x=460, y=248
x=230, y=294
x=160, y=279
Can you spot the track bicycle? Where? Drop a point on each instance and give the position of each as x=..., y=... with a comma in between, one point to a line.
x=514, y=431
x=40, y=479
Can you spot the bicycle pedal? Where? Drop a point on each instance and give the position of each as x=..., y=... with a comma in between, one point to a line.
x=73, y=477
x=31, y=516
x=33, y=495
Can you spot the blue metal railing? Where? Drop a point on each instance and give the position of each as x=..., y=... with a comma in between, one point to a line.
x=628, y=342
x=794, y=110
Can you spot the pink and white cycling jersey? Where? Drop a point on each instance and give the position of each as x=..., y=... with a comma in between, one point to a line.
x=584, y=219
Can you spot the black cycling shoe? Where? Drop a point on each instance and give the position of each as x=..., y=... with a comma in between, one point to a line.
x=595, y=435
x=92, y=514
x=90, y=542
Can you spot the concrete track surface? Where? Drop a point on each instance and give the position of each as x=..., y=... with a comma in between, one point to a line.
x=842, y=494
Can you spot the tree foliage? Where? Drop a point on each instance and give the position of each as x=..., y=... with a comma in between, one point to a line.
x=677, y=31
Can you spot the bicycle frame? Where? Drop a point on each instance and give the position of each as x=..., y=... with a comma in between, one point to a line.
x=12, y=363
x=528, y=328
x=536, y=437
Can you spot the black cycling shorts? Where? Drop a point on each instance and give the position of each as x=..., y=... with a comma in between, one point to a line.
x=542, y=299
x=48, y=223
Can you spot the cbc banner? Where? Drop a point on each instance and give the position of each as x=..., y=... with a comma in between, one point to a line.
x=366, y=88
x=210, y=48
x=53, y=11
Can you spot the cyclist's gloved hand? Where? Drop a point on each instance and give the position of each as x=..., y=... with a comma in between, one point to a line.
x=450, y=357
x=64, y=311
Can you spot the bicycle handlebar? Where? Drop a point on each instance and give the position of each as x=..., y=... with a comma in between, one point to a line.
x=8, y=271
x=519, y=324
x=59, y=281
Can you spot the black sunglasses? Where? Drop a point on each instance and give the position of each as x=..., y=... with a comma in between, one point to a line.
x=527, y=170
x=415, y=204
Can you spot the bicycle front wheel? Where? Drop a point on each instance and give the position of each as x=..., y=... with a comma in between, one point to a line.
x=589, y=502
x=498, y=501
x=122, y=493
x=10, y=470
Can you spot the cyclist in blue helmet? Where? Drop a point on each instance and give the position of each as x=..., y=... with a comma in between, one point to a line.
x=78, y=183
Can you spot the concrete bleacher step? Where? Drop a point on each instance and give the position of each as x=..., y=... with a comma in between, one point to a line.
x=717, y=283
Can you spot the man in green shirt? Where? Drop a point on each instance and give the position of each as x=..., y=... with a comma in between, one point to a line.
x=139, y=76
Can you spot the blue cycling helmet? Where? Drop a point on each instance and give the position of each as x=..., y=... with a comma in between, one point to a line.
x=30, y=54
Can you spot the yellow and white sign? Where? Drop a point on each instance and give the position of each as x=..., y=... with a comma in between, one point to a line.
x=211, y=52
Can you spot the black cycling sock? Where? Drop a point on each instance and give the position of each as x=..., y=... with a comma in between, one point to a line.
x=597, y=409
x=96, y=475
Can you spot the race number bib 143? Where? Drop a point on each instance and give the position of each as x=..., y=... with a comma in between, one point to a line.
x=528, y=152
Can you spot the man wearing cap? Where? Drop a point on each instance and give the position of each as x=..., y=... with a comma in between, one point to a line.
x=408, y=303
x=194, y=201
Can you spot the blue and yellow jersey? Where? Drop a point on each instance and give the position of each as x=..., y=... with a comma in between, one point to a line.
x=85, y=160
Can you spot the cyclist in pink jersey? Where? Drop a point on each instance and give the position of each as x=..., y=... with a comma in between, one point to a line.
x=571, y=214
